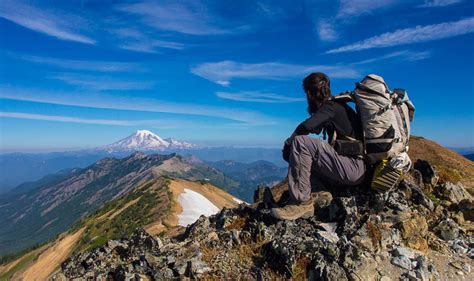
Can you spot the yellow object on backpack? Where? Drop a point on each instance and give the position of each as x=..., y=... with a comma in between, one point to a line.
x=385, y=177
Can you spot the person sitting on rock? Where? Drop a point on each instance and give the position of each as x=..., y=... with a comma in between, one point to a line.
x=312, y=160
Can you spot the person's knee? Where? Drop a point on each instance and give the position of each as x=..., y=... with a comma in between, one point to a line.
x=300, y=140
x=306, y=141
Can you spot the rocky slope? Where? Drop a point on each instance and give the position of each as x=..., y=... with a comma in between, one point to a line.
x=43, y=209
x=156, y=206
x=411, y=233
x=451, y=166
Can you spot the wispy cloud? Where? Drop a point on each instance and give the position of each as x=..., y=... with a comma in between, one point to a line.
x=20, y=115
x=411, y=35
x=94, y=82
x=188, y=18
x=326, y=31
x=405, y=55
x=439, y=3
x=151, y=46
x=223, y=72
x=162, y=123
x=139, y=41
x=110, y=101
x=348, y=12
x=356, y=8
x=57, y=25
x=98, y=66
x=258, y=97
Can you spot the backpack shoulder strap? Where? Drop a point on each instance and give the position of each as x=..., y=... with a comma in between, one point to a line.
x=343, y=97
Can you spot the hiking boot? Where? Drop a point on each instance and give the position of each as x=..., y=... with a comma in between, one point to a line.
x=294, y=211
x=321, y=199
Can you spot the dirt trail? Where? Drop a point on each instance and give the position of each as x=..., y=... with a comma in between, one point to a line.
x=51, y=258
x=116, y=213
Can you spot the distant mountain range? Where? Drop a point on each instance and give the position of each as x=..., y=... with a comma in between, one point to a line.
x=78, y=210
x=250, y=175
x=18, y=168
x=36, y=212
x=470, y=156
x=467, y=152
x=463, y=150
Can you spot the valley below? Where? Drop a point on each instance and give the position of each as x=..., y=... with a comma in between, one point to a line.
x=171, y=216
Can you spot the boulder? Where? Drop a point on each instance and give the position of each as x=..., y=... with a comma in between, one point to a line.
x=402, y=262
x=454, y=193
x=428, y=172
x=414, y=231
x=466, y=206
x=447, y=229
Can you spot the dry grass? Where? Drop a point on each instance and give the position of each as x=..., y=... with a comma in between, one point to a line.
x=300, y=272
x=51, y=258
x=209, y=253
x=451, y=166
x=374, y=234
x=237, y=224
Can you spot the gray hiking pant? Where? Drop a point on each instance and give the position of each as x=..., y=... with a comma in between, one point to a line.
x=313, y=159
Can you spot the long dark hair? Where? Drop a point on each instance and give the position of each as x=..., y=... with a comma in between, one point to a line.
x=317, y=88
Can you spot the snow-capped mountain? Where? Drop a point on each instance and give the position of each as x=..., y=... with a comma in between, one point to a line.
x=146, y=140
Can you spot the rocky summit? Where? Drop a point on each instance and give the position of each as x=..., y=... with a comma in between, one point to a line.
x=411, y=233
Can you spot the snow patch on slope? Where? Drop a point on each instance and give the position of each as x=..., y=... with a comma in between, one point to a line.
x=194, y=205
x=239, y=201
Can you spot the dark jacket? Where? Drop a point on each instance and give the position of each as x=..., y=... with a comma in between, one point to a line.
x=332, y=116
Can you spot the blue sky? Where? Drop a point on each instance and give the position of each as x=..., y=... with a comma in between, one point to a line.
x=77, y=74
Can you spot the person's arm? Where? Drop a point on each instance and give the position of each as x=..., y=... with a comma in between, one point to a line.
x=313, y=124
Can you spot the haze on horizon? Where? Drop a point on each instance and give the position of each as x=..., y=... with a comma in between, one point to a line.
x=78, y=74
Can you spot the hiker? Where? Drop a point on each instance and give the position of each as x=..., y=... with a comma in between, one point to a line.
x=312, y=160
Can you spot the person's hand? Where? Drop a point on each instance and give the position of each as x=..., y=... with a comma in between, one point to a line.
x=286, y=150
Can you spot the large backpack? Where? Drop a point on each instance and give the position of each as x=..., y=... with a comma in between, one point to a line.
x=385, y=118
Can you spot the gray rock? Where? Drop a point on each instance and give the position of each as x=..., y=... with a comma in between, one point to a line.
x=403, y=252
x=466, y=206
x=403, y=262
x=324, y=270
x=164, y=274
x=459, y=246
x=419, y=197
x=159, y=243
x=411, y=275
x=421, y=275
x=345, y=209
x=198, y=267
x=428, y=172
x=447, y=229
x=326, y=236
x=466, y=267
x=397, y=201
x=470, y=253
x=451, y=192
x=235, y=237
x=182, y=268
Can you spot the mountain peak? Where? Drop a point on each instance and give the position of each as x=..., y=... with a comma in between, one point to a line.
x=144, y=133
x=147, y=140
